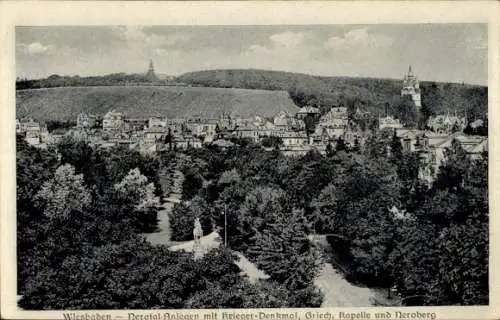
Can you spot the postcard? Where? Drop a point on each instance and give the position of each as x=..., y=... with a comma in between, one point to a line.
x=249, y=160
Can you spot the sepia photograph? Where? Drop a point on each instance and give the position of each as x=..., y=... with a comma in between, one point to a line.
x=192, y=167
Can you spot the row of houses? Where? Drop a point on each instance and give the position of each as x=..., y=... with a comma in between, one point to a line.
x=37, y=134
x=152, y=133
x=431, y=147
x=440, y=124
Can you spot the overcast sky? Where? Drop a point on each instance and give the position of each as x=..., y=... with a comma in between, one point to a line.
x=440, y=52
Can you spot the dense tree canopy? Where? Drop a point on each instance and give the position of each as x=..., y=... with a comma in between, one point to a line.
x=387, y=226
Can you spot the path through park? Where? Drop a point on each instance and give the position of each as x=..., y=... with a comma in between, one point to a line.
x=170, y=198
x=338, y=292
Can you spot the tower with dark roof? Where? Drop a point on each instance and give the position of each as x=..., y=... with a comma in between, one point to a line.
x=411, y=87
x=150, y=75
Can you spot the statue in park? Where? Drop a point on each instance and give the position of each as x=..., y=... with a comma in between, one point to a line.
x=197, y=232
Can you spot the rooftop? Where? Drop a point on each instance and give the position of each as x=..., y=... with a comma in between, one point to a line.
x=308, y=109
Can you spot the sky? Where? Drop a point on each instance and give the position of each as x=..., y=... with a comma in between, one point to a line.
x=437, y=52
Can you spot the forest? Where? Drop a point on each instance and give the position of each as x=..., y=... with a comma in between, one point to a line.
x=433, y=249
x=373, y=95
x=114, y=79
x=81, y=212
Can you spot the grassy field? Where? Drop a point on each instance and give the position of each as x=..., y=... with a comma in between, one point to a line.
x=66, y=103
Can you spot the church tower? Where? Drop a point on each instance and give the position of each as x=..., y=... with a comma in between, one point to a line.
x=150, y=75
x=411, y=87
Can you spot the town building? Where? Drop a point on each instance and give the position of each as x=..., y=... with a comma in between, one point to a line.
x=474, y=146
x=331, y=131
x=155, y=133
x=321, y=135
x=135, y=124
x=57, y=135
x=411, y=87
x=352, y=138
x=226, y=123
x=307, y=111
x=334, y=123
x=292, y=138
x=361, y=115
x=431, y=148
x=202, y=127
x=32, y=131
x=254, y=128
x=187, y=141
x=113, y=121
x=157, y=122
x=389, y=122
x=301, y=150
x=285, y=121
x=446, y=124
x=86, y=121
x=410, y=138
x=177, y=125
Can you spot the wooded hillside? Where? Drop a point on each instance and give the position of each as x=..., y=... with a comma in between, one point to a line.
x=369, y=94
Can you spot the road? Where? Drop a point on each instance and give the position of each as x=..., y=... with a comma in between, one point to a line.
x=337, y=290
x=162, y=235
x=213, y=240
x=210, y=241
x=340, y=292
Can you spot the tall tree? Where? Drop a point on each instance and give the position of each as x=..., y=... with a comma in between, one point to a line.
x=340, y=144
x=136, y=189
x=396, y=149
x=285, y=253
x=453, y=170
x=63, y=194
x=329, y=150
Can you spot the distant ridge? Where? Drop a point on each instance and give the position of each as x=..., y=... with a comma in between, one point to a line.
x=287, y=90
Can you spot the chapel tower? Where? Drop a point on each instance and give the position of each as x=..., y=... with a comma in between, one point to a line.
x=411, y=87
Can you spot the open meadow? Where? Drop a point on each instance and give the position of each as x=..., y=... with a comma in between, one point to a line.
x=143, y=101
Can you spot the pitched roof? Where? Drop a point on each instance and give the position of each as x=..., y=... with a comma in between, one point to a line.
x=223, y=143
x=477, y=123
x=308, y=109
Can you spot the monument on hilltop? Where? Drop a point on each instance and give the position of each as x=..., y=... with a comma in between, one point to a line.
x=411, y=87
x=150, y=75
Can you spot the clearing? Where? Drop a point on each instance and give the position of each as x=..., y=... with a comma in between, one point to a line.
x=143, y=102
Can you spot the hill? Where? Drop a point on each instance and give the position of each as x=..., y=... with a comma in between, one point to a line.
x=143, y=101
x=369, y=94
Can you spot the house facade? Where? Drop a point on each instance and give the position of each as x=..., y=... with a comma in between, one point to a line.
x=157, y=122
x=113, y=121
x=446, y=124
x=389, y=122
x=86, y=121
